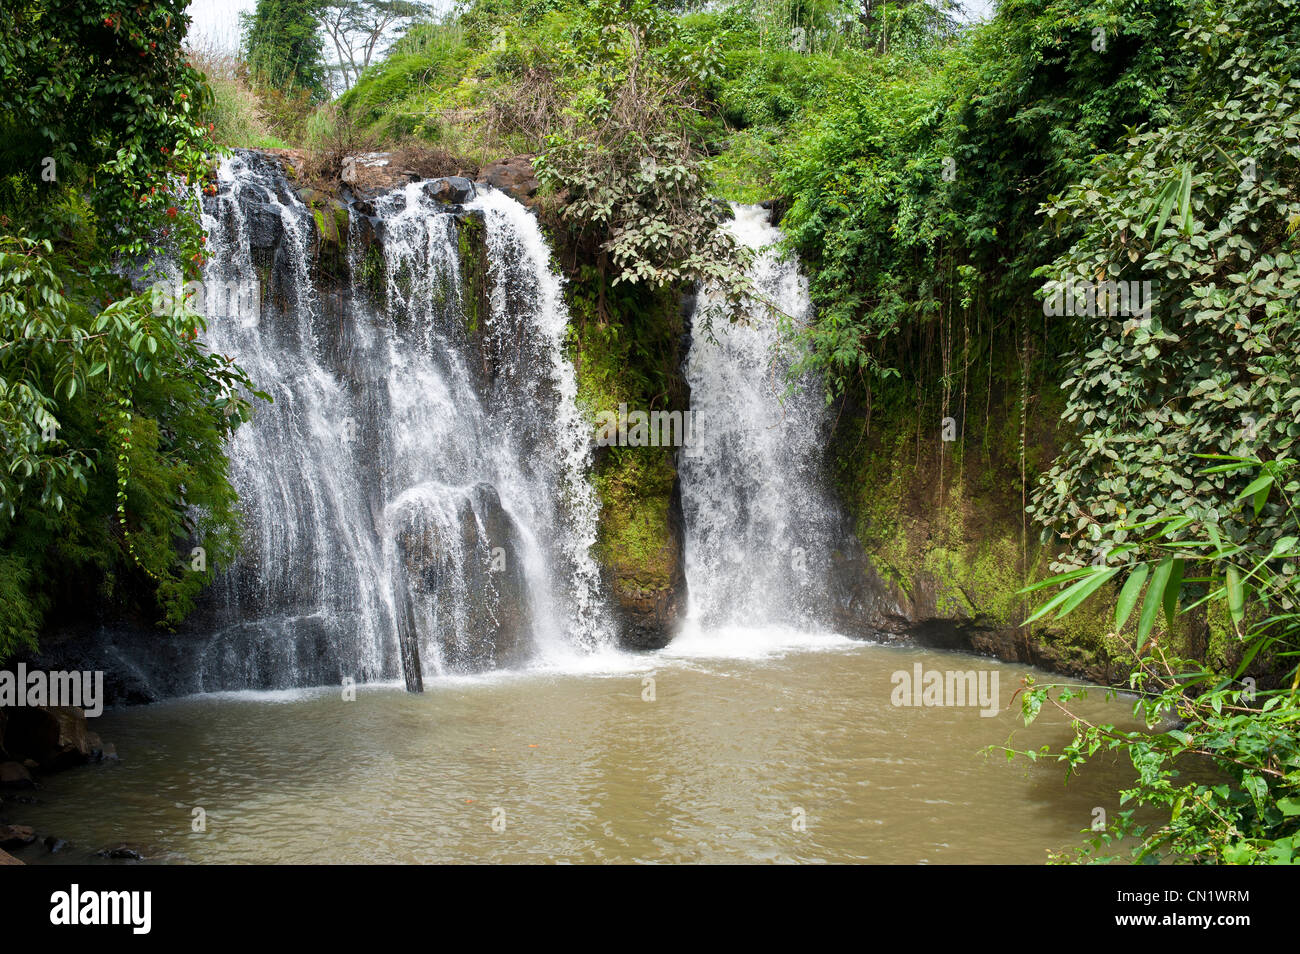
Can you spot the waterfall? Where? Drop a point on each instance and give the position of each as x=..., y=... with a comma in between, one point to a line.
x=414, y=500
x=760, y=526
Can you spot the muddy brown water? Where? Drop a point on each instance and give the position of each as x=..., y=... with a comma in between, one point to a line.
x=777, y=747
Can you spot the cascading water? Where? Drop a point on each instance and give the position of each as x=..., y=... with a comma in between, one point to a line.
x=414, y=499
x=759, y=526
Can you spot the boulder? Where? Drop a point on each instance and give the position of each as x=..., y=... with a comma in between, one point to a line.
x=122, y=852
x=513, y=176
x=8, y=859
x=55, y=737
x=374, y=172
x=455, y=190
x=16, y=836
x=14, y=775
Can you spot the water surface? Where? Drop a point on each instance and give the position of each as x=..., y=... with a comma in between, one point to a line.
x=748, y=732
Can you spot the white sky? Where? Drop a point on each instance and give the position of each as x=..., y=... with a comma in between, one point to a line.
x=216, y=22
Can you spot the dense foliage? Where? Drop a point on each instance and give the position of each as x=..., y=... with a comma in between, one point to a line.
x=1181, y=481
x=1220, y=754
x=283, y=47
x=112, y=414
x=915, y=191
x=1205, y=210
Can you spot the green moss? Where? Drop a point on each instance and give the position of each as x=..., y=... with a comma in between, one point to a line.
x=625, y=349
x=943, y=522
x=372, y=273
x=634, y=539
x=331, y=219
x=1222, y=636
x=470, y=240
x=323, y=226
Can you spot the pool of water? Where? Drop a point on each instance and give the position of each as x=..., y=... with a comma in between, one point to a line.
x=734, y=746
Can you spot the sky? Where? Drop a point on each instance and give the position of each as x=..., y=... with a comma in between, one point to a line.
x=216, y=22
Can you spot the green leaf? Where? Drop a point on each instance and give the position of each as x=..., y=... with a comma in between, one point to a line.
x=1085, y=588
x=1283, y=547
x=1168, y=196
x=1080, y=588
x=1236, y=596
x=1256, y=485
x=1128, y=596
x=1172, y=588
x=1185, y=201
x=1059, y=579
x=1155, y=595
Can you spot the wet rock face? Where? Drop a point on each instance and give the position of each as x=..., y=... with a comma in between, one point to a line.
x=648, y=618
x=862, y=604
x=53, y=737
x=465, y=576
x=648, y=612
x=451, y=189
x=501, y=616
x=265, y=227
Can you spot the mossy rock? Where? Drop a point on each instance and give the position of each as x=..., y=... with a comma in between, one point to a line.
x=471, y=244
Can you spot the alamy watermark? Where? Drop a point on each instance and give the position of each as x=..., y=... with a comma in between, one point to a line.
x=622, y=428
x=85, y=690
x=128, y=908
x=933, y=688
x=241, y=300
x=1072, y=297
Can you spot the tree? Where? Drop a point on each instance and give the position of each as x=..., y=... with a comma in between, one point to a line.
x=357, y=27
x=113, y=414
x=884, y=20
x=283, y=46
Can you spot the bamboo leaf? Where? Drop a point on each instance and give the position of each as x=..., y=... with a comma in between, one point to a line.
x=1083, y=589
x=1256, y=485
x=1128, y=596
x=1172, y=588
x=1155, y=594
x=1069, y=592
x=1236, y=596
x=1185, y=202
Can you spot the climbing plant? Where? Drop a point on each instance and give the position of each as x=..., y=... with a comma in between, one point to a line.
x=113, y=414
x=1204, y=210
